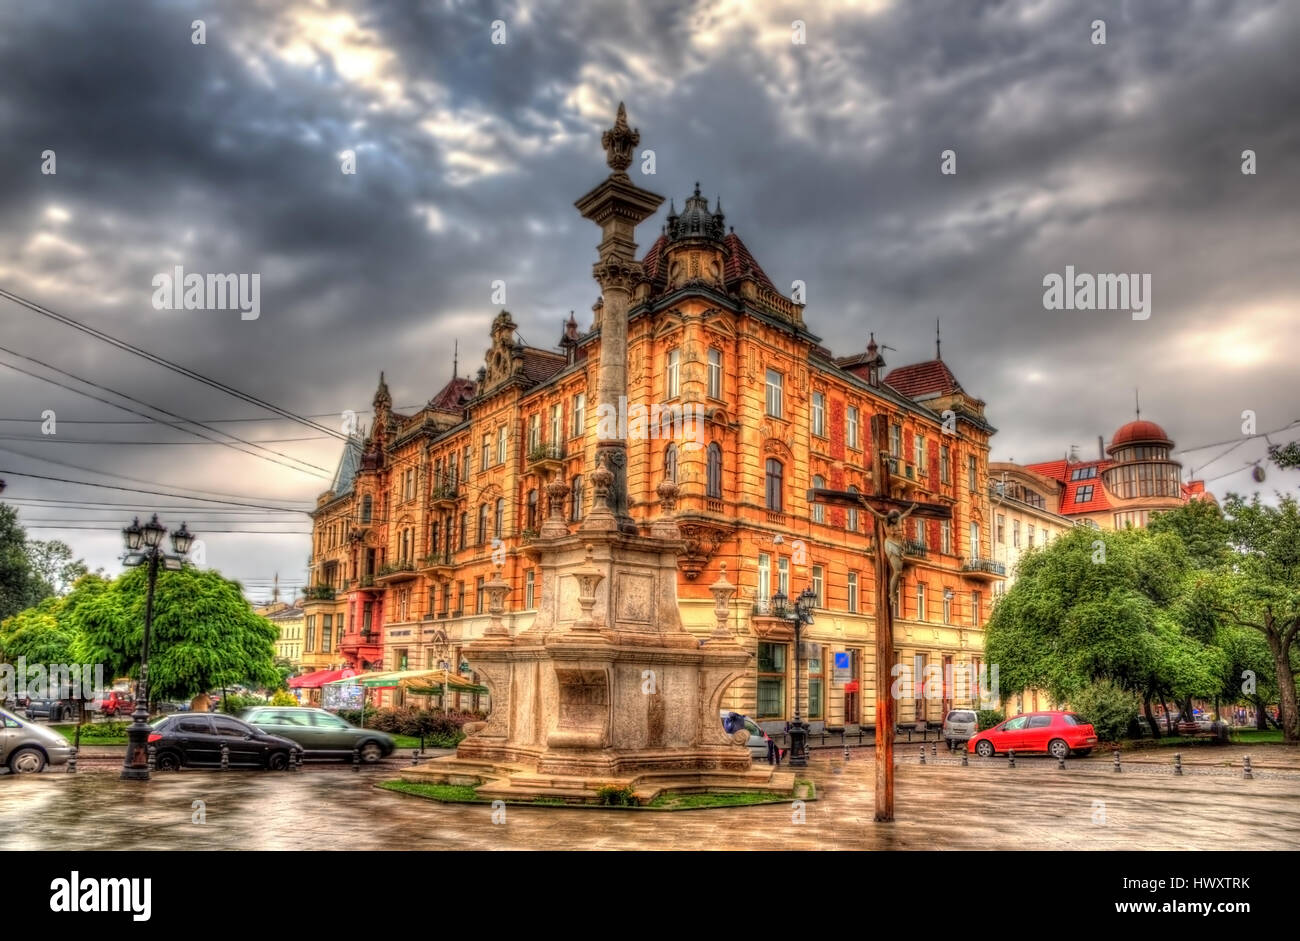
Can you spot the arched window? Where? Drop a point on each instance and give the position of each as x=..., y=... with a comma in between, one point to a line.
x=851, y=517
x=367, y=508
x=715, y=471
x=670, y=462
x=774, y=472
x=575, y=497
x=818, y=510
x=532, y=509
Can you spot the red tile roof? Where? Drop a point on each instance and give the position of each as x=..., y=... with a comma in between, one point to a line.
x=929, y=378
x=740, y=261
x=1139, y=431
x=540, y=365
x=1063, y=470
x=652, y=262
x=454, y=395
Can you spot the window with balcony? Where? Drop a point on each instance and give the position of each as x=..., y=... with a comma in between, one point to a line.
x=764, y=589
x=773, y=492
x=534, y=432
x=532, y=509
x=555, y=425
x=818, y=509
x=783, y=575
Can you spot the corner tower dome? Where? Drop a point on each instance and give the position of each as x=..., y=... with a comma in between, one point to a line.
x=1139, y=432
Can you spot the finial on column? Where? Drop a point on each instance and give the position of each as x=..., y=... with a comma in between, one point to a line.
x=619, y=141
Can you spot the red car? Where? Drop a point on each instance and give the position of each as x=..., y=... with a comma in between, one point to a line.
x=1057, y=733
x=114, y=703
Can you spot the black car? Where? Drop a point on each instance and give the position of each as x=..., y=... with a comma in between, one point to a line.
x=194, y=740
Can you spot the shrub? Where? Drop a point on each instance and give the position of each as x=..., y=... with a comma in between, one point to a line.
x=281, y=698
x=987, y=718
x=442, y=730
x=234, y=704
x=1110, y=709
x=103, y=731
x=611, y=795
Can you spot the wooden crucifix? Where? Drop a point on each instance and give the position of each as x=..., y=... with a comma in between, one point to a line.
x=888, y=514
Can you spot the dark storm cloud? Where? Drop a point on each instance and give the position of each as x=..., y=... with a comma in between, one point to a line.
x=225, y=157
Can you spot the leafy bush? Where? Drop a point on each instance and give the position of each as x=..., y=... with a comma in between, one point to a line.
x=281, y=698
x=987, y=718
x=1110, y=710
x=442, y=730
x=234, y=704
x=611, y=795
x=103, y=731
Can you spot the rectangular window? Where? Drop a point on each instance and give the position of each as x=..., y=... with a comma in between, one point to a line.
x=534, y=432
x=976, y=612
x=783, y=575
x=311, y=633
x=555, y=425
x=945, y=536
x=486, y=456
x=464, y=474
x=819, y=414
x=975, y=541
x=1084, y=493
x=775, y=393
x=1042, y=533
x=853, y=592
x=715, y=374
x=851, y=426
x=1015, y=534
x=895, y=440
x=817, y=586
x=499, y=520
x=579, y=414
x=920, y=601
x=764, y=576
x=530, y=588
x=326, y=632
x=479, y=596
x=1002, y=529
x=918, y=454
x=771, y=681
x=464, y=529
x=673, y=387
x=460, y=598
x=945, y=465
x=816, y=685
x=501, y=445
x=1029, y=534
x=947, y=606
x=971, y=466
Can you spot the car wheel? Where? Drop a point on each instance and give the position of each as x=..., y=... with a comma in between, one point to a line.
x=27, y=761
x=168, y=761
x=278, y=761
x=985, y=748
x=371, y=752
x=1057, y=748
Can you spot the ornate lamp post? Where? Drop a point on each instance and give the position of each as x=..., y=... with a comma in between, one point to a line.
x=800, y=615
x=143, y=548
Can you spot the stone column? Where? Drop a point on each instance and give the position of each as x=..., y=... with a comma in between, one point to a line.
x=617, y=205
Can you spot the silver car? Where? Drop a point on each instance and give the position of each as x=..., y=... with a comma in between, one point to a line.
x=959, y=727
x=26, y=747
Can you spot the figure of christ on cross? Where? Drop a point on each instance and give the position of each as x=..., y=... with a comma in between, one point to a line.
x=893, y=520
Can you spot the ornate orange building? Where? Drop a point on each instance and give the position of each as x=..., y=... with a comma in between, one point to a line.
x=731, y=395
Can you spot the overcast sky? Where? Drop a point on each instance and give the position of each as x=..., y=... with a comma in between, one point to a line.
x=225, y=157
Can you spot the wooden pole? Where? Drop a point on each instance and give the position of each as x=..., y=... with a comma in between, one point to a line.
x=884, y=632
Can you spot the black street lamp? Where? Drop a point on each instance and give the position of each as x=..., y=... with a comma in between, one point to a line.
x=800, y=615
x=142, y=548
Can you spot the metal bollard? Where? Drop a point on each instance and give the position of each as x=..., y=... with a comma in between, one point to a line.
x=846, y=751
x=295, y=759
x=965, y=760
x=72, y=760
x=415, y=757
x=1011, y=758
x=1246, y=771
x=225, y=757
x=934, y=749
x=1116, y=754
x=153, y=758
x=922, y=754
x=1178, y=763
x=1060, y=762
x=356, y=759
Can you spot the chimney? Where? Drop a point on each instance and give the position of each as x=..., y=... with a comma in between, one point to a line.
x=1101, y=448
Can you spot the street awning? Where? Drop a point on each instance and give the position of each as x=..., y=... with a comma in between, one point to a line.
x=319, y=678
x=419, y=682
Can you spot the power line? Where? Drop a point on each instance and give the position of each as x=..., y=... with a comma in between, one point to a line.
x=209, y=421
x=247, y=532
x=167, y=364
x=180, y=418
x=60, y=439
x=157, y=493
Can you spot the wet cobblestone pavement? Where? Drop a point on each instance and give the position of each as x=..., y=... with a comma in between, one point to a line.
x=939, y=805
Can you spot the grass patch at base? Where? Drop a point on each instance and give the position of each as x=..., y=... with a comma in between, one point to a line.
x=693, y=801
x=456, y=793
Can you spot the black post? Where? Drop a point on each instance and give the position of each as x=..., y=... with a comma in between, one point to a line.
x=135, y=766
x=798, y=731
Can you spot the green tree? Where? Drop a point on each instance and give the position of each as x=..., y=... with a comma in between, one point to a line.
x=1259, y=588
x=52, y=562
x=1099, y=605
x=1201, y=528
x=20, y=587
x=205, y=634
x=39, y=634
